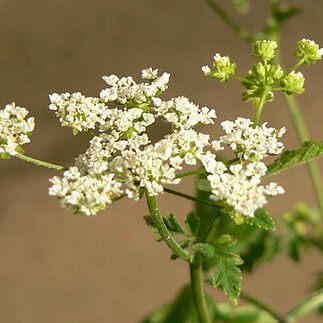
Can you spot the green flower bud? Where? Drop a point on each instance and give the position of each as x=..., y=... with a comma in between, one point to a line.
x=308, y=51
x=223, y=68
x=265, y=49
x=293, y=83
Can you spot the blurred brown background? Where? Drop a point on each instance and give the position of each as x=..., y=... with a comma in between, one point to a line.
x=59, y=268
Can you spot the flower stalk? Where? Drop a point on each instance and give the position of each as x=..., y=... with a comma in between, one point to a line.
x=163, y=231
x=198, y=291
x=39, y=162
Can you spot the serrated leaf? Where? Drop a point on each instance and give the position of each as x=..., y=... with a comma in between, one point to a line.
x=308, y=150
x=192, y=222
x=262, y=220
x=228, y=275
x=173, y=224
x=203, y=185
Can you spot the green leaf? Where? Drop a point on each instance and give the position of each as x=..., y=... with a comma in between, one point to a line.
x=173, y=224
x=283, y=14
x=203, y=185
x=204, y=250
x=228, y=275
x=262, y=220
x=226, y=240
x=192, y=222
x=180, y=310
x=308, y=150
x=263, y=247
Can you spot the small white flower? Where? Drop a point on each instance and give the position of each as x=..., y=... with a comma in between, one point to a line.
x=149, y=73
x=15, y=129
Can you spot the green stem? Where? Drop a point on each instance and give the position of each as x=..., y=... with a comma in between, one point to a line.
x=242, y=33
x=303, y=135
x=259, y=108
x=189, y=197
x=198, y=291
x=192, y=172
x=39, y=162
x=163, y=231
x=310, y=304
x=250, y=299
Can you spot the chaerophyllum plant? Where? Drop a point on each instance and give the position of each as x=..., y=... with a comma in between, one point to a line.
x=229, y=231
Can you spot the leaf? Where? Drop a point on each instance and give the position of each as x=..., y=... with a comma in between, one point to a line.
x=172, y=224
x=203, y=249
x=262, y=220
x=180, y=310
x=192, y=222
x=228, y=275
x=283, y=14
x=203, y=185
x=263, y=247
x=308, y=150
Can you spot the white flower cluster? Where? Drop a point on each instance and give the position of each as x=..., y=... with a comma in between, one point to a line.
x=127, y=92
x=15, y=129
x=183, y=114
x=239, y=185
x=122, y=161
x=123, y=149
x=83, y=193
x=77, y=111
x=249, y=142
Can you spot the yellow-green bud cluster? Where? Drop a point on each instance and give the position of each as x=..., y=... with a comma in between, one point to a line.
x=308, y=52
x=222, y=69
x=265, y=49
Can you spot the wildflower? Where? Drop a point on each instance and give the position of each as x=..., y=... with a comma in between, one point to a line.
x=239, y=187
x=183, y=114
x=251, y=143
x=15, y=129
x=77, y=111
x=85, y=194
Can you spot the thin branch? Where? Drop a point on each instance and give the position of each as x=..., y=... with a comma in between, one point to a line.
x=252, y=300
x=310, y=304
x=39, y=162
x=189, y=197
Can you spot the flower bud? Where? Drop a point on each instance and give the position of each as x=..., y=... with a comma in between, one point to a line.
x=293, y=83
x=308, y=51
x=265, y=49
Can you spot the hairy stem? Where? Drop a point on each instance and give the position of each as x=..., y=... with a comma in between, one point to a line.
x=310, y=304
x=241, y=32
x=163, y=231
x=198, y=291
x=252, y=300
x=39, y=162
